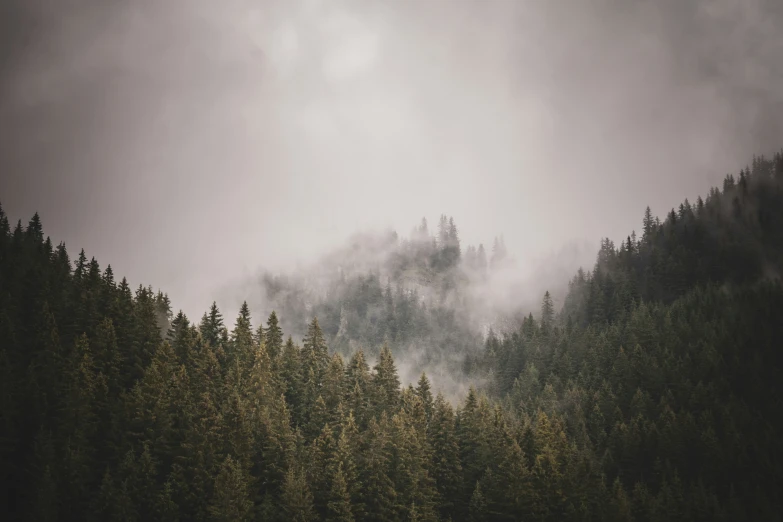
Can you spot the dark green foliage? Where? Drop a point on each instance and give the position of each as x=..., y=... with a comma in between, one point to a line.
x=478, y=505
x=231, y=494
x=386, y=384
x=411, y=297
x=339, y=506
x=296, y=501
x=665, y=365
x=652, y=395
x=273, y=336
x=547, y=311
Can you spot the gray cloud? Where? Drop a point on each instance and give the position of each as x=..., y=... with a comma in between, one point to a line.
x=190, y=142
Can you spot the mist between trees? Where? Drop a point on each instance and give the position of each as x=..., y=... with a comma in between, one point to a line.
x=651, y=392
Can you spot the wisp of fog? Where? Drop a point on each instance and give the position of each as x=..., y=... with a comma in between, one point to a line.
x=192, y=142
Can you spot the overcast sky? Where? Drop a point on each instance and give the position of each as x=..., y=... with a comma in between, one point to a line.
x=190, y=142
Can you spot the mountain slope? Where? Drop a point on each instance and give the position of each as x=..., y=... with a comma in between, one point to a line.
x=653, y=395
x=666, y=361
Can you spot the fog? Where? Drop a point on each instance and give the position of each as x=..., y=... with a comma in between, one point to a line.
x=361, y=293
x=194, y=144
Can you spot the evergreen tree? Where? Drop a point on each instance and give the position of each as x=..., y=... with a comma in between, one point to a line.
x=446, y=467
x=357, y=387
x=231, y=499
x=478, y=505
x=647, y=226
x=296, y=500
x=378, y=496
x=339, y=506
x=291, y=372
x=242, y=344
x=547, y=311
x=212, y=329
x=424, y=392
x=273, y=336
x=386, y=382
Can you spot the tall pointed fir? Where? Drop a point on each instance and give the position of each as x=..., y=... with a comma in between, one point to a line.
x=386, y=384
x=296, y=500
x=547, y=311
x=273, y=336
x=231, y=496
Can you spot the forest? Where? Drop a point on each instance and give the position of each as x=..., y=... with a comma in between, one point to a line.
x=652, y=394
x=420, y=296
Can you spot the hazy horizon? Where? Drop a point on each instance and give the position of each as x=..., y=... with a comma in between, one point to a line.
x=192, y=144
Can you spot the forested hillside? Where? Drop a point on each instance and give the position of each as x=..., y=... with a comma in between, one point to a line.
x=652, y=395
x=422, y=296
x=666, y=359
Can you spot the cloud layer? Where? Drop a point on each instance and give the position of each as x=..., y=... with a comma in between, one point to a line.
x=189, y=142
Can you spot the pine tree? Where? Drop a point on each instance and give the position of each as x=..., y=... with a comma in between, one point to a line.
x=357, y=387
x=318, y=417
x=84, y=391
x=45, y=380
x=263, y=380
x=478, y=505
x=378, y=496
x=344, y=456
x=138, y=473
x=339, y=506
x=647, y=226
x=242, y=340
x=291, y=374
x=273, y=336
x=231, y=500
x=315, y=351
x=423, y=390
x=410, y=457
x=334, y=385
x=446, y=467
x=548, y=471
x=547, y=311
x=212, y=329
x=296, y=500
x=472, y=444
x=385, y=381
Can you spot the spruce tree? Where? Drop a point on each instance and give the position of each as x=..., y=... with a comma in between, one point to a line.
x=385, y=382
x=547, y=311
x=424, y=391
x=230, y=500
x=296, y=500
x=242, y=342
x=291, y=373
x=339, y=506
x=315, y=342
x=378, y=496
x=357, y=387
x=446, y=466
x=478, y=506
x=273, y=336
x=212, y=329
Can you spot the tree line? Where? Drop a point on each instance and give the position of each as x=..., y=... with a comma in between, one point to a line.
x=652, y=395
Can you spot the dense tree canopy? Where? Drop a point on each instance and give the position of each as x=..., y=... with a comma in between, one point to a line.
x=652, y=395
x=407, y=293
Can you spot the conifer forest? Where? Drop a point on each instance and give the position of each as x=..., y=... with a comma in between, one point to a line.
x=391, y=261
x=650, y=392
